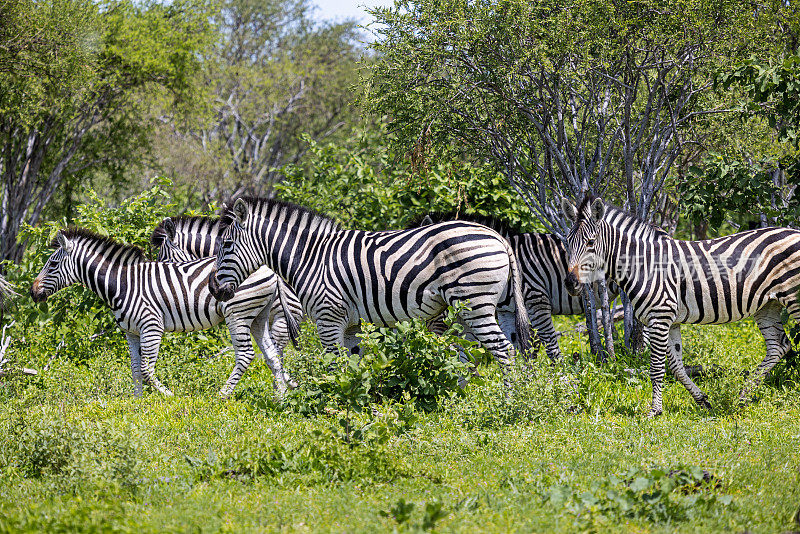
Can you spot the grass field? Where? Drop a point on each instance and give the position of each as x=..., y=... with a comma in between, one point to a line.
x=569, y=451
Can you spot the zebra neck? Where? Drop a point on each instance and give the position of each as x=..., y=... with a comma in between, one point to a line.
x=106, y=277
x=293, y=251
x=635, y=255
x=199, y=238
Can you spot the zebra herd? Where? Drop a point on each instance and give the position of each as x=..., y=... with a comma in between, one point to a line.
x=264, y=265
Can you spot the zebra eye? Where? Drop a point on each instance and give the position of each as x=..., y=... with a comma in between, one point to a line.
x=590, y=242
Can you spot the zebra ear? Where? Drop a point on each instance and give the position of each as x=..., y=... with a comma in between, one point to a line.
x=169, y=228
x=568, y=209
x=598, y=209
x=241, y=211
x=426, y=221
x=64, y=243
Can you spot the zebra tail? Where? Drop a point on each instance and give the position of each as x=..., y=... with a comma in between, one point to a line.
x=291, y=323
x=523, y=325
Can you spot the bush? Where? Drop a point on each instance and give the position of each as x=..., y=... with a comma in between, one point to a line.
x=658, y=495
x=404, y=363
x=371, y=187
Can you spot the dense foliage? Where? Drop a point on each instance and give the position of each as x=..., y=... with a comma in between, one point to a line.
x=73, y=80
x=687, y=111
x=369, y=186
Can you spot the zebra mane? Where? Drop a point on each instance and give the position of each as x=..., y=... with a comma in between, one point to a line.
x=501, y=226
x=107, y=243
x=201, y=223
x=269, y=207
x=610, y=208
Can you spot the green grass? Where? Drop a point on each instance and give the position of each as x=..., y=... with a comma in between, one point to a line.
x=570, y=450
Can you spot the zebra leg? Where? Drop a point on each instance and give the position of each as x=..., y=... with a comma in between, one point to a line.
x=437, y=326
x=507, y=319
x=271, y=354
x=541, y=315
x=769, y=323
x=243, y=348
x=136, y=363
x=482, y=322
x=279, y=332
x=331, y=327
x=351, y=341
x=150, y=343
x=659, y=348
x=679, y=370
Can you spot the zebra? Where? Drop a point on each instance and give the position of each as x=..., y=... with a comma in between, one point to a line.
x=149, y=298
x=189, y=238
x=344, y=276
x=542, y=260
x=672, y=282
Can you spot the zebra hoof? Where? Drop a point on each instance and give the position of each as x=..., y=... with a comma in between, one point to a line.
x=703, y=403
x=653, y=413
x=745, y=399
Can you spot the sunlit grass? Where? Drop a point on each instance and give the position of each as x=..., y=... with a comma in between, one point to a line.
x=487, y=463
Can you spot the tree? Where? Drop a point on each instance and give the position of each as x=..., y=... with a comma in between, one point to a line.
x=756, y=182
x=366, y=185
x=71, y=77
x=592, y=97
x=274, y=74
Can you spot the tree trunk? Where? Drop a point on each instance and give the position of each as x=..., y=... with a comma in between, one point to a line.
x=608, y=323
x=591, y=320
x=634, y=330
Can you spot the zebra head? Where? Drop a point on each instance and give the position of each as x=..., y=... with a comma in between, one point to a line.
x=235, y=257
x=163, y=239
x=58, y=272
x=586, y=248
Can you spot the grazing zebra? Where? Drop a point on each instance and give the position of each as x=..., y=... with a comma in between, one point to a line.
x=191, y=238
x=671, y=282
x=343, y=276
x=149, y=298
x=542, y=260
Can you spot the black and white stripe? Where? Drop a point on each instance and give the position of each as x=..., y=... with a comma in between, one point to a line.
x=189, y=238
x=671, y=282
x=344, y=276
x=542, y=260
x=149, y=298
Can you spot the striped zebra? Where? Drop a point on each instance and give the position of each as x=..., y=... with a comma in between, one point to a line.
x=344, y=276
x=149, y=298
x=190, y=238
x=542, y=260
x=671, y=282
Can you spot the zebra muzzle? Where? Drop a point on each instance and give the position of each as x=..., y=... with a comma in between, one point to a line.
x=36, y=292
x=221, y=292
x=573, y=284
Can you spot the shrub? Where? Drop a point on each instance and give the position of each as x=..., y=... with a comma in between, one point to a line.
x=659, y=495
x=404, y=363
